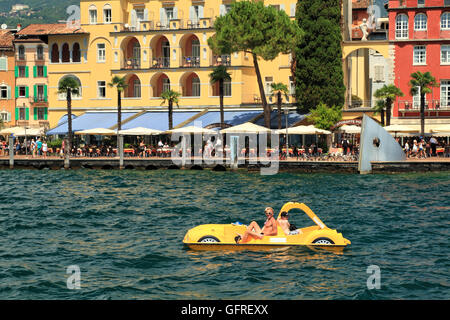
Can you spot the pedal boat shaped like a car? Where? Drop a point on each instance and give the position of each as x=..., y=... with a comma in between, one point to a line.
x=222, y=236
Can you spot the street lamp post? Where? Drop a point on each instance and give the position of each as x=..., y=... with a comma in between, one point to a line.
x=286, y=112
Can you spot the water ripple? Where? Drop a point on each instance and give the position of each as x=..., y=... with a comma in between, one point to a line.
x=125, y=229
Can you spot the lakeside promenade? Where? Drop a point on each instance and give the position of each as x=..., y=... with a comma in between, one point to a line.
x=217, y=164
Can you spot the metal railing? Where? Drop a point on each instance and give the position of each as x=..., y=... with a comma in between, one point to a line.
x=221, y=60
x=191, y=61
x=131, y=64
x=161, y=62
x=414, y=106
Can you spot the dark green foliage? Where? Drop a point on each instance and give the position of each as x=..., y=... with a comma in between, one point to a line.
x=39, y=12
x=318, y=71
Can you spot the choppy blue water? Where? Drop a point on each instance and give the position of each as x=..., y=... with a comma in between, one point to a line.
x=124, y=229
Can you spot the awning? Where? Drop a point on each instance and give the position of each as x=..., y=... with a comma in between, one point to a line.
x=303, y=130
x=139, y=131
x=158, y=120
x=21, y=131
x=293, y=118
x=247, y=127
x=350, y=129
x=192, y=129
x=91, y=120
x=232, y=118
x=97, y=132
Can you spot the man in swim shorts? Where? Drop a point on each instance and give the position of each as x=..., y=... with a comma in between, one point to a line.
x=285, y=225
x=254, y=230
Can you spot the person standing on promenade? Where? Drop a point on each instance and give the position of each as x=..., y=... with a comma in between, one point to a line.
x=45, y=149
x=33, y=148
x=433, y=143
x=407, y=149
x=39, y=147
x=61, y=153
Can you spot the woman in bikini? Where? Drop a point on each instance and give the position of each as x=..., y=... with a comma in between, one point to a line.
x=254, y=231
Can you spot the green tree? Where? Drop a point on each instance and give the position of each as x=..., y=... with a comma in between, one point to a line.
x=277, y=90
x=318, y=71
x=379, y=109
x=325, y=117
x=69, y=86
x=220, y=75
x=263, y=32
x=421, y=83
x=170, y=97
x=388, y=93
x=120, y=84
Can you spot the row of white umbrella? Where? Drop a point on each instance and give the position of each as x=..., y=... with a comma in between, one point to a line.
x=247, y=127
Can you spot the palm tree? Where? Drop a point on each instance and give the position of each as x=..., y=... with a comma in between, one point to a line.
x=388, y=93
x=171, y=97
x=421, y=83
x=69, y=86
x=277, y=89
x=379, y=108
x=220, y=75
x=120, y=84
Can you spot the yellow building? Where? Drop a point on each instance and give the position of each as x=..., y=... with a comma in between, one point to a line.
x=156, y=45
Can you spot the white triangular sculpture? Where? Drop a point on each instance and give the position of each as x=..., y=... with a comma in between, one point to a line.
x=377, y=145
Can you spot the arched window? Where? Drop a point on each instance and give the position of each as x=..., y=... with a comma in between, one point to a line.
x=107, y=13
x=40, y=52
x=445, y=21
x=62, y=96
x=401, y=26
x=195, y=87
x=93, y=14
x=55, y=53
x=76, y=54
x=420, y=22
x=65, y=53
x=21, y=52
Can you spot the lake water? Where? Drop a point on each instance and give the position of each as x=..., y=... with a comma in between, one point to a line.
x=124, y=229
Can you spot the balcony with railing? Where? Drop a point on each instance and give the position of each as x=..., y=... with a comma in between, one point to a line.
x=160, y=62
x=190, y=62
x=131, y=64
x=39, y=98
x=432, y=108
x=218, y=60
x=171, y=24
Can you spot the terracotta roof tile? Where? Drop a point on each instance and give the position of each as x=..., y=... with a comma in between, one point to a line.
x=46, y=29
x=361, y=4
x=6, y=38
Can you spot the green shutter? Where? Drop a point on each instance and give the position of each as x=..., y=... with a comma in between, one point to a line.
x=17, y=93
x=26, y=72
x=34, y=71
x=45, y=93
x=45, y=113
x=17, y=113
x=27, y=113
x=35, y=93
x=45, y=71
x=16, y=71
x=26, y=92
x=35, y=112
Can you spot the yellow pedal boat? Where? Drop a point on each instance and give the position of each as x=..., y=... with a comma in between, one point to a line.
x=221, y=236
